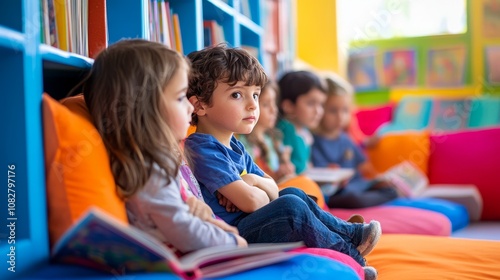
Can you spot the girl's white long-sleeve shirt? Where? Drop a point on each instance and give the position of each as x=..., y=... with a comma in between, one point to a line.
x=159, y=210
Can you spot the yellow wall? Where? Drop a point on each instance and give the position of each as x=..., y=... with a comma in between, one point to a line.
x=317, y=33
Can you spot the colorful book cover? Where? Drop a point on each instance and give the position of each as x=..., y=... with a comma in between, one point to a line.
x=407, y=178
x=400, y=68
x=99, y=241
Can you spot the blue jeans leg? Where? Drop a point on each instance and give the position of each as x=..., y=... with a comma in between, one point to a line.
x=348, y=231
x=289, y=219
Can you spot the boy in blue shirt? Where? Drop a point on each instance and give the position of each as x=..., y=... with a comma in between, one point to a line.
x=224, y=88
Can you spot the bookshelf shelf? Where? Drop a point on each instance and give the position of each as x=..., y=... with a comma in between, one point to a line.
x=251, y=25
x=69, y=60
x=219, y=5
x=11, y=39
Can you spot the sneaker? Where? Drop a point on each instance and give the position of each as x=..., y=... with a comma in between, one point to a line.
x=370, y=237
x=370, y=273
x=356, y=218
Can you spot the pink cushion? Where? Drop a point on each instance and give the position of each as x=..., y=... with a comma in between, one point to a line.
x=334, y=255
x=369, y=119
x=400, y=219
x=469, y=157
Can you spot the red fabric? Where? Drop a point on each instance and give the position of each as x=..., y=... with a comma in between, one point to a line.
x=469, y=157
x=400, y=219
x=334, y=255
x=370, y=119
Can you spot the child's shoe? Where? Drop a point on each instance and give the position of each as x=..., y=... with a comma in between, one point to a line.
x=370, y=273
x=356, y=218
x=370, y=237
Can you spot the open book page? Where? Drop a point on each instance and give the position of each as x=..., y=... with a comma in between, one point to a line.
x=329, y=175
x=407, y=178
x=102, y=242
x=99, y=241
x=220, y=254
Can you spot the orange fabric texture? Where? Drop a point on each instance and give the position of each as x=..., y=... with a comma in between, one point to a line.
x=431, y=257
x=77, y=167
x=395, y=148
x=307, y=185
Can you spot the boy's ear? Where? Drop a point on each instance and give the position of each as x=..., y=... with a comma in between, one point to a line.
x=199, y=108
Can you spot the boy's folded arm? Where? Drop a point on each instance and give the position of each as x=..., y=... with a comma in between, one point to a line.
x=265, y=183
x=244, y=196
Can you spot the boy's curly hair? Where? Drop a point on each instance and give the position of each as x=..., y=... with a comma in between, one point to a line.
x=221, y=64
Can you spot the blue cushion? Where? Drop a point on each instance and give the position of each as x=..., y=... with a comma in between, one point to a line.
x=298, y=267
x=456, y=213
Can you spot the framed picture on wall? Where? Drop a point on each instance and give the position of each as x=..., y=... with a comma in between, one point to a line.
x=491, y=18
x=492, y=64
x=446, y=66
x=400, y=68
x=362, y=70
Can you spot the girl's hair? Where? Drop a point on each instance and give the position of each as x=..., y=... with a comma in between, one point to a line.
x=124, y=95
x=296, y=83
x=336, y=88
x=274, y=133
x=221, y=64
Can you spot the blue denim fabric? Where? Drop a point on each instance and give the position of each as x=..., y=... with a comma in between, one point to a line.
x=296, y=217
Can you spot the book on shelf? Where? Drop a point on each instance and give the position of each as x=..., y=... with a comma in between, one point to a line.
x=49, y=23
x=99, y=241
x=61, y=25
x=214, y=31
x=97, y=24
x=177, y=33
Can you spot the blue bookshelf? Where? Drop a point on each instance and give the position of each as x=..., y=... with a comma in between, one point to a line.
x=29, y=68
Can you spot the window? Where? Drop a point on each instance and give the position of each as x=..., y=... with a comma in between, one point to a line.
x=366, y=20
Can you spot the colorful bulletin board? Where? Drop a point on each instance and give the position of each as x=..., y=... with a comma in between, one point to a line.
x=446, y=66
x=362, y=70
x=492, y=64
x=400, y=68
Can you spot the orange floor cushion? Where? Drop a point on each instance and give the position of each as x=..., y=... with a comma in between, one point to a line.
x=307, y=185
x=399, y=256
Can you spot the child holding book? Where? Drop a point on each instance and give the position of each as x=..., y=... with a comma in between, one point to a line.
x=136, y=95
x=224, y=88
x=332, y=147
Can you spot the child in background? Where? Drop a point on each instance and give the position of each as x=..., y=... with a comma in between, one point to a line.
x=136, y=95
x=302, y=95
x=224, y=88
x=332, y=147
x=264, y=143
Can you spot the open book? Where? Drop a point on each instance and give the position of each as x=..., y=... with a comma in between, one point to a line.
x=329, y=175
x=412, y=182
x=407, y=178
x=99, y=241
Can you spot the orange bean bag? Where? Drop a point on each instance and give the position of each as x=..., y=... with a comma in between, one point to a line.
x=408, y=257
x=307, y=185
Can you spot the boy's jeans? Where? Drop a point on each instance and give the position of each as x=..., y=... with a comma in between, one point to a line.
x=296, y=217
